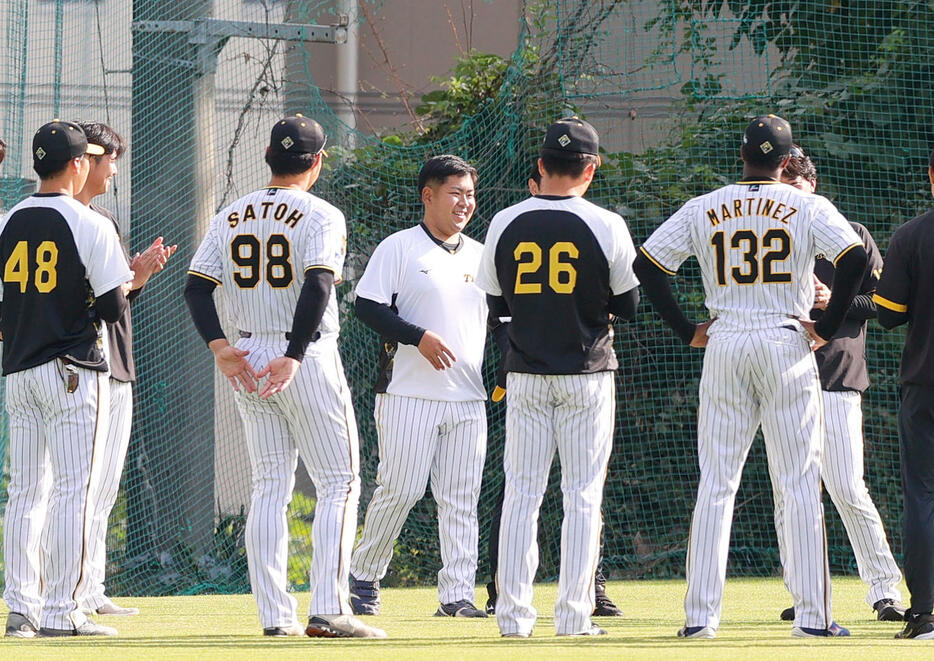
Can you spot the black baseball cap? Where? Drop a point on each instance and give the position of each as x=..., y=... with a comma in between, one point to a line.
x=297, y=135
x=570, y=139
x=61, y=141
x=767, y=136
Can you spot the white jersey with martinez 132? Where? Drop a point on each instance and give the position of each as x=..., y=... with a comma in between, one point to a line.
x=259, y=248
x=756, y=242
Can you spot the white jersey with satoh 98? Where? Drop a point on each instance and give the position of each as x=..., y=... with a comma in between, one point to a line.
x=259, y=247
x=434, y=289
x=756, y=243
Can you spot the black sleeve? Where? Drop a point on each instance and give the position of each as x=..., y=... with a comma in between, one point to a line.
x=658, y=289
x=309, y=310
x=498, y=308
x=623, y=306
x=862, y=308
x=499, y=329
x=386, y=321
x=111, y=305
x=848, y=276
x=200, y=301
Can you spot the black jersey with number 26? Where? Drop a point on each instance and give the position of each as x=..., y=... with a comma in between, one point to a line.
x=557, y=261
x=56, y=254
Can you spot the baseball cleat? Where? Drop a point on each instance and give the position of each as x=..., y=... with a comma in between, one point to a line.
x=462, y=608
x=516, y=634
x=592, y=630
x=788, y=615
x=833, y=631
x=19, y=626
x=604, y=606
x=294, y=629
x=491, y=606
x=919, y=626
x=889, y=610
x=697, y=632
x=110, y=608
x=340, y=626
x=89, y=628
x=364, y=597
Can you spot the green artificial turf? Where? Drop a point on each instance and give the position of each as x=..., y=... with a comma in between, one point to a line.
x=226, y=628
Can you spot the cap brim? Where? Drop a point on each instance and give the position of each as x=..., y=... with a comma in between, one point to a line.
x=95, y=150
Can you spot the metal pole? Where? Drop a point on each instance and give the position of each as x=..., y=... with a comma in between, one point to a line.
x=348, y=72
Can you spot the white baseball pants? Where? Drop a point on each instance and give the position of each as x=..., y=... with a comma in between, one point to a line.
x=422, y=440
x=55, y=439
x=313, y=418
x=766, y=377
x=573, y=414
x=842, y=473
x=113, y=457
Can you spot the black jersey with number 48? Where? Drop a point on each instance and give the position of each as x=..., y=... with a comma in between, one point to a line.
x=557, y=261
x=55, y=255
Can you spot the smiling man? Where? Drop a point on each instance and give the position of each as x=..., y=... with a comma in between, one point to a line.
x=418, y=293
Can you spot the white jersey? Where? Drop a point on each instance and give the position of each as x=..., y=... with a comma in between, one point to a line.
x=756, y=242
x=434, y=289
x=254, y=248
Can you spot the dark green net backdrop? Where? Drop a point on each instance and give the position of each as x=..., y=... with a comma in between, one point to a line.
x=669, y=85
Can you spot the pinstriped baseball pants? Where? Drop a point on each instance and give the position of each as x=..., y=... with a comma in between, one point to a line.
x=766, y=377
x=313, y=418
x=55, y=439
x=422, y=440
x=113, y=456
x=573, y=414
x=842, y=474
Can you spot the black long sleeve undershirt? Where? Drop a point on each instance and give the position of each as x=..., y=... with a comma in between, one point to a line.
x=385, y=321
x=848, y=276
x=199, y=299
x=309, y=311
x=623, y=306
x=657, y=287
x=862, y=308
x=111, y=305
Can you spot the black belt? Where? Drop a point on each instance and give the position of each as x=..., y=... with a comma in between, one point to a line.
x=288, y=336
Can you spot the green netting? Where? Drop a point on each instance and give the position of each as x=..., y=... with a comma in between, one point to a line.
x=669, y=85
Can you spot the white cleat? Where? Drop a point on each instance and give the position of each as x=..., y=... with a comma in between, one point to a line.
x=110, y=608
x=340, y=626
x=592, y=630
x=89, y=628
x=697, y=632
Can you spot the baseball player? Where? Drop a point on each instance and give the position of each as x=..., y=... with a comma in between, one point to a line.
x=603, y=605
x=278, y=252
x=57, y=256
x=119, y=346
x=559, y=266
x=843, y=375
x=904, y=295
x=756, y=241
x=418, y=292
